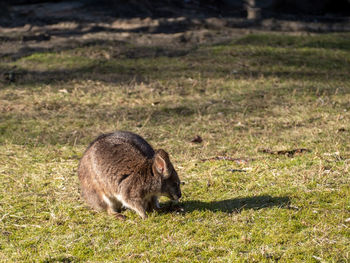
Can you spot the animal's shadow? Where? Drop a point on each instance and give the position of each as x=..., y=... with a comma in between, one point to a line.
x=235, y=205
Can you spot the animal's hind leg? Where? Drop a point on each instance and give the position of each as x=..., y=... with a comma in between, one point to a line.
x=113, y=207
x=115, y=214
x=93, y=199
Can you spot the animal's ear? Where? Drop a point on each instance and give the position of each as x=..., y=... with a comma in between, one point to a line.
x=160, y=164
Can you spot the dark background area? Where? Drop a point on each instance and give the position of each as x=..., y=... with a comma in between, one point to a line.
x=157, y=27
x=237, y=8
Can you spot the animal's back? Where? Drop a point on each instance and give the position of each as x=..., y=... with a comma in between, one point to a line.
x=122, y=137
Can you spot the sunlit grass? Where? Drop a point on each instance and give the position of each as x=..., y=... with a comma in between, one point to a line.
x=259, y=92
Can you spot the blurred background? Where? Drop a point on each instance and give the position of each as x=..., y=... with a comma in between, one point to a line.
x=16, y=11
x=31, y=25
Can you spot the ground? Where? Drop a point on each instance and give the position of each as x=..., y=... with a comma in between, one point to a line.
x=269, y=181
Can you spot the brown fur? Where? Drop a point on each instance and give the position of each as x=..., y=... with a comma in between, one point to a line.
x=122, y=169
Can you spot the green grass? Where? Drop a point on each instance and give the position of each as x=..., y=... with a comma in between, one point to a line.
x=257, y=92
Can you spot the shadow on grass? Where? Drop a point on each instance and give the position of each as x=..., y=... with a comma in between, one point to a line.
x=319, y=41
x=117, y=73
x=125, y=64
x=117, y=48
x=235, y=205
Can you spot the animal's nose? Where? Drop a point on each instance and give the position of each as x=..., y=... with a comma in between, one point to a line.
x=179, y=195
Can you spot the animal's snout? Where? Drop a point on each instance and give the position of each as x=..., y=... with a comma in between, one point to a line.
x=178, y=195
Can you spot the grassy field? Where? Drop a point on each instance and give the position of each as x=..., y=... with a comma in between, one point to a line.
x=249, y=100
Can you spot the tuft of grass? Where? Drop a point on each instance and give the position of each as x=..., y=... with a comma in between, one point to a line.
x=275, y=92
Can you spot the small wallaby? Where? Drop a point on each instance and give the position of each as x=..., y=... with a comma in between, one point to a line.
x=121, y=169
